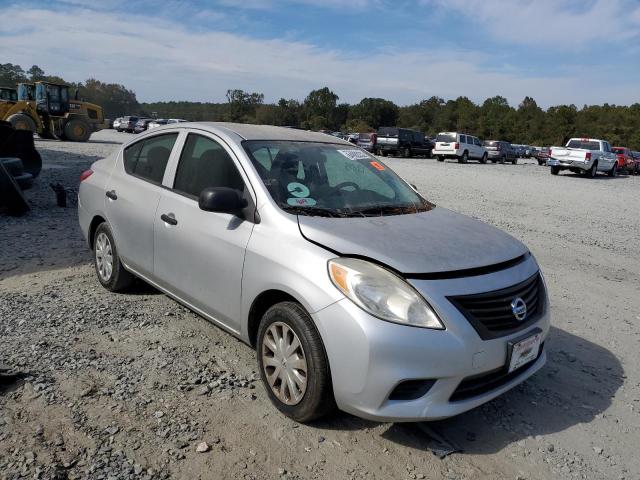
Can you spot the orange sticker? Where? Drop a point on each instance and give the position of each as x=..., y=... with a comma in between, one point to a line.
x=377, y=166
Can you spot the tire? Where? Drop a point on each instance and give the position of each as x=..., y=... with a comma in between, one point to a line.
x=464, y=158
x=77, y=130
x=289, y=320
x=406, y=153
x=514, y=161
x=502, y=160
x=11, y=195
x=116, y=278
x=493, y=161
x=24, y=181
x=540, y=162
x=555, y=170
x=484, y=158
x=21, y=121
x=614, y=170
x=13, y=165
x=384, y=154
x=591, y=173
x=440, y=158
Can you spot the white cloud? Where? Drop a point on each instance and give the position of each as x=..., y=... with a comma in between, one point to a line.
x=161, y=60
x=564, y=24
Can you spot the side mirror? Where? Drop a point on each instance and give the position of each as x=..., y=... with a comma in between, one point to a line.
x=221, y=199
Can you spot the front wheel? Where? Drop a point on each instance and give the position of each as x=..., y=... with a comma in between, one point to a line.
x=293, y=363
x=22, y=121
x=111, y=274
x=514, y=161
x=77, y=130
x=483, y=159
x=406, y=153
x=555, y=170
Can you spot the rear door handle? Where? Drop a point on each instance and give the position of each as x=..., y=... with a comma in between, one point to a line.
x=171, y=220
x=112, y=195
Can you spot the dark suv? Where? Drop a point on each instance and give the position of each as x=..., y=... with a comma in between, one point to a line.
x=500, y=151
x=403, y=142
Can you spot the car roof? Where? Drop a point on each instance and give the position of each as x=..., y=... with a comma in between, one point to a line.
x=263, y=132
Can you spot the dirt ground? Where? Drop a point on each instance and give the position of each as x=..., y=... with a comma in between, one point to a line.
x=128, y=385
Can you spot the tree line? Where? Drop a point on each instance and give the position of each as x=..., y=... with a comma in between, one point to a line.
x=527, y=123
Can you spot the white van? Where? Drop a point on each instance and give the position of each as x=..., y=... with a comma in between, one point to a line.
x=459, y=145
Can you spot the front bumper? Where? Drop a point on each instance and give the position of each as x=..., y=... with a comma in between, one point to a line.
x=370, y=357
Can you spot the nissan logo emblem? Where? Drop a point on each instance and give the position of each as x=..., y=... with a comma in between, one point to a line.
x=519, y=308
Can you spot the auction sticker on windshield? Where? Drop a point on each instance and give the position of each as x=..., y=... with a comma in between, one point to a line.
x=355, y=154
x=524, y=351
x=298, y=190
x=301, y=202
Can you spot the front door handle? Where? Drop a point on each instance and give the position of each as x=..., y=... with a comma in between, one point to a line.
x=171, y=220
x=112, y=195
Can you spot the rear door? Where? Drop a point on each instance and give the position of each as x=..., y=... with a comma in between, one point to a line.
x=199, y=255
x=132, y=195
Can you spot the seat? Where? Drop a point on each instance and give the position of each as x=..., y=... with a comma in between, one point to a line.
x=215, y=168
x=157, y=158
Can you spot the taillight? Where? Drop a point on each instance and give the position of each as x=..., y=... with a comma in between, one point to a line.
x=86, y=174
x=456, y=146
x=588, y=156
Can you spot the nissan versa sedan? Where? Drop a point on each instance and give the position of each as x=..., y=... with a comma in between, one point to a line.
x=355, y=290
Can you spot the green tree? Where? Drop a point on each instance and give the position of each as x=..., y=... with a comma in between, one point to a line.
x=375, y=112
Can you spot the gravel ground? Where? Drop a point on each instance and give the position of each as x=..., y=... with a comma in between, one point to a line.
x=135, y=386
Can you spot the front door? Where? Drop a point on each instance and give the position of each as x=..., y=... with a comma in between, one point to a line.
x=199, y=255
x=132, y=195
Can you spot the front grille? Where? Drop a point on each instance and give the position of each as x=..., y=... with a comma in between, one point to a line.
x=474, y=386
x=491, y=314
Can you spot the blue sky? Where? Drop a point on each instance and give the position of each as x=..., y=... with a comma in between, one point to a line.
x=558, y=51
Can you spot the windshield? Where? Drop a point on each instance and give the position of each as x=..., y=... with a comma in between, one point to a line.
x=446, y=137
x=618, y=150
x=330, y=180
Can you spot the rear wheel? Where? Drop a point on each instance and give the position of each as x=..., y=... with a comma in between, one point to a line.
x=514, y=161
x=21, y=121
x=440, y=158
x=502, y=159
x=555, y=170
x=406, y=153
x=77, y=130
x=591, y=173
x=464, y=158
x=111, y=274
x=293, y=364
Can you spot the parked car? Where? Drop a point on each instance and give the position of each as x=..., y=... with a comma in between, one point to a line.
x=402, y=141
x=461, y=146
x=626, y=160
x=352, y=138
x=157, y=123
x=636, y=155
x=367, y=141
x=142, y=125
x=127, y=124
x=583, y=155
x=381, y=303
x=500, y=151
x=520, y=150
x=116, y=123
x=543, y=155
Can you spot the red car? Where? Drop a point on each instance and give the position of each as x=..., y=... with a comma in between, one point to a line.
x=542, y=155
x=626, y=160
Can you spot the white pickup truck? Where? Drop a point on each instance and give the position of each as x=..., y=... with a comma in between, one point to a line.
x=583, y=155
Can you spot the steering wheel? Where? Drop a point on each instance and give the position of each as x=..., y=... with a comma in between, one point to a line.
x=342, y=185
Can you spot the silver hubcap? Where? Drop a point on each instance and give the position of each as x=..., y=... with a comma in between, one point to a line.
x=284, y=363
x=104, y=257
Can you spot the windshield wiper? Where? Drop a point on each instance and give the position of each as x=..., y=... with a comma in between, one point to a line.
x=313, y=211
x=378, y=210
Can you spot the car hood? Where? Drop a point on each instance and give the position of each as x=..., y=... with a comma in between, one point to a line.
x=436, y=241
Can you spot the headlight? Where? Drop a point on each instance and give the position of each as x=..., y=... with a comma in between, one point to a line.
x=382, y=293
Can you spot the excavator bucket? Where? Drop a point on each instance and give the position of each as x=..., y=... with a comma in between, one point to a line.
x=19, y=144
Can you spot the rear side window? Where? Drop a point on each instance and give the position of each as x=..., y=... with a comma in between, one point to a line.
x=148, y=159
x=204, y=163
x=476, y=142
x=463, y=139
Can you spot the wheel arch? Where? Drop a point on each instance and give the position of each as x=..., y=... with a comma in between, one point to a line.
x=93, y=226
x=263, y=302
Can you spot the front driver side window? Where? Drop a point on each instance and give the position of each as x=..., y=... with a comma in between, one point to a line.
x=204, y=163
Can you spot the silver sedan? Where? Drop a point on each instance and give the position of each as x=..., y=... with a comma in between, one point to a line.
x=355, y=290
